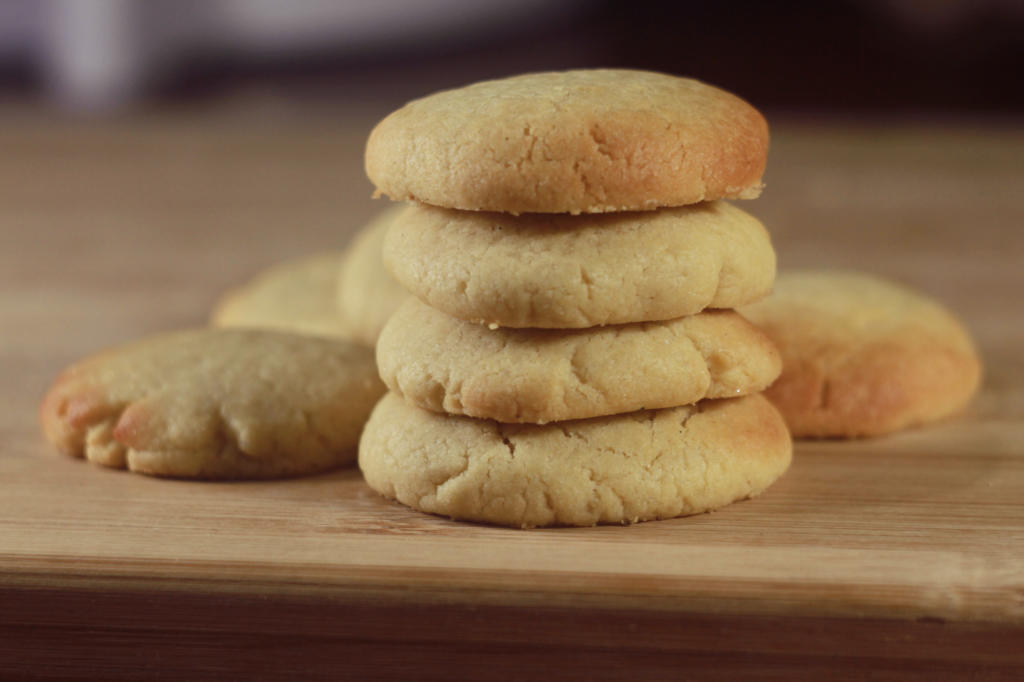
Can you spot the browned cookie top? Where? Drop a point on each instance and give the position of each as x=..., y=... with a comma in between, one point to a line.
x=585, y=141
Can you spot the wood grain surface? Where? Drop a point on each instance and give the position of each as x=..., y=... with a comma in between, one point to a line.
x=900, y=557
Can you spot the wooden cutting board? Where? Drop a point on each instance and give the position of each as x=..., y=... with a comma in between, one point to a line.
x=900, y=556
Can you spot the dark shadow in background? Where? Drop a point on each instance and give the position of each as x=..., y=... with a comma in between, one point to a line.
x=835, y=55
x=839, y=56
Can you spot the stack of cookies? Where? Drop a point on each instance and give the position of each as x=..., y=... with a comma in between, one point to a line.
x=569, y=357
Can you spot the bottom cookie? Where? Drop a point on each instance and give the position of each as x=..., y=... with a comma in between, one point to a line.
x=653, y=464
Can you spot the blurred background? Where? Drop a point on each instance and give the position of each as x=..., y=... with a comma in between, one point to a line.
x=154, y=153
x=846, y=57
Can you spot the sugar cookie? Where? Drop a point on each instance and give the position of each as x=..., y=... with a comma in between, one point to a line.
x=863, y=356
x=444, y=364
x=562, y=272
x=216, y=403
x=584, y=141
x=633, y=467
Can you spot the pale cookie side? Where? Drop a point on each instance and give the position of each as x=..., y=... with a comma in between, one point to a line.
x=367, y=294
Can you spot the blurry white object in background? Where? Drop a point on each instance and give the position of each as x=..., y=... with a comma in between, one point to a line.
x=269, y=25
x=94, y=57
x=98, y=55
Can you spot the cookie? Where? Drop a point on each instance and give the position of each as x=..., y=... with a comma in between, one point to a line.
x=586, y=141
x=863, y=356
x=297, y=295
x=544, y=375
x=569, y=272
x=626, y=468
x=367, y=294
x=216, y=404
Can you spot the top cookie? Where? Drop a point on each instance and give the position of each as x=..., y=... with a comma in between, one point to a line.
x=586, y=141
x=863, y=356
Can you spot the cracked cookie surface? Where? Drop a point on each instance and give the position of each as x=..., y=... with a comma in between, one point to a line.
x=546, y=375
x=296, y=295
x=634, y=467
x=570, y=272
x=863, y=356
x=583, y=141
x=367, y=294
x=216, y=404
